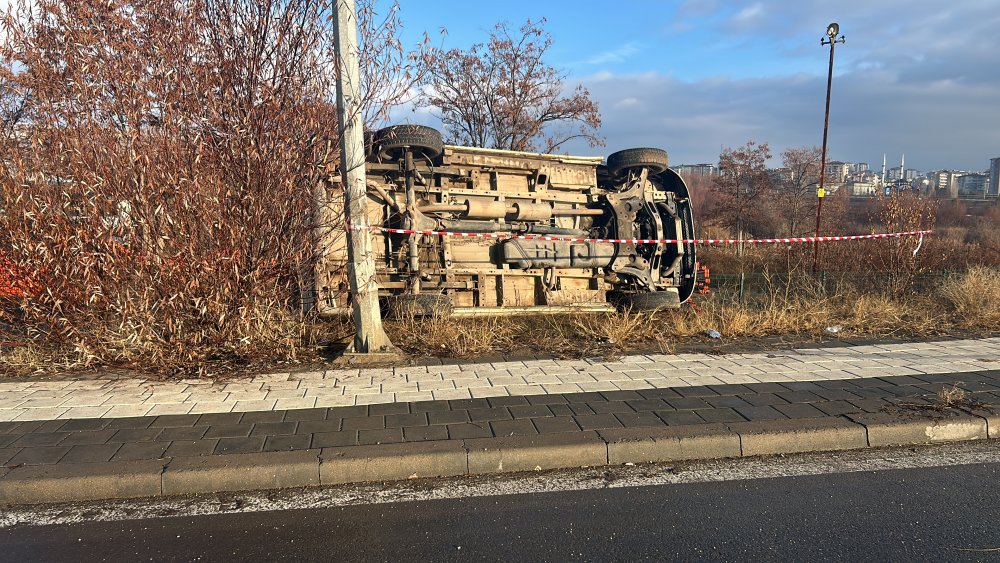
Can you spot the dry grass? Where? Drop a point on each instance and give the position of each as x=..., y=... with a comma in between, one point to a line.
x=974, y=296
x=444, y=336
x=966, y=301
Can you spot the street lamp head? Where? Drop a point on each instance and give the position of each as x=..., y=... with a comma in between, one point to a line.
x=833, y=30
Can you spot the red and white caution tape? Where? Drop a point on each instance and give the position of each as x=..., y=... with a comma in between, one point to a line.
x=505, y=236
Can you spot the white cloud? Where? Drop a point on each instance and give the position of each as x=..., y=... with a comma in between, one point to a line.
x=872, y=113
x=617, y=55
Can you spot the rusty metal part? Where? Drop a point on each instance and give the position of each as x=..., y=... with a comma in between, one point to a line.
x=532, y=211
x=485, y=209
x=528, y=254
x=391, y=201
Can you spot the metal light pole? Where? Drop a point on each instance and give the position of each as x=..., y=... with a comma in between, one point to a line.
x=370, y=336
x=831, y=39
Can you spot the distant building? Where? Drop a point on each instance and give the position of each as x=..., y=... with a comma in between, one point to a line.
x=911, y=174
x=859, y=167
x=994, y=176
x=695, y=170
x=837, y=171
x=974, y=184
x=944, y=183
x=864, y=189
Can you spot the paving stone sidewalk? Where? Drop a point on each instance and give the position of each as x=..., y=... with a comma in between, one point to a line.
x=89, y=440
x=482, y=383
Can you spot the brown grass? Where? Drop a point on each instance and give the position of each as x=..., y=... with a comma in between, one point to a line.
x=793, y=309
x=974, y=296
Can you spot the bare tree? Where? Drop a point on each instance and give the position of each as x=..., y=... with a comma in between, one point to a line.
x=743, y=181
x=796, y=191
x=503, y=95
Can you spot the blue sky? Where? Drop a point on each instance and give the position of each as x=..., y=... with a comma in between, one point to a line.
x=921, y=78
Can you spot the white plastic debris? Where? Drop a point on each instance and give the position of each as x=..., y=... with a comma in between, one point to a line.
x=833, y=329
x=712, y=333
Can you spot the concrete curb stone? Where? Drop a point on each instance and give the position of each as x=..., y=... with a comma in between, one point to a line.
x=673, y=443
x=532, y=453
x=892, y=430
x=799, y=435
x=389, y=462
x=241, y=472
x=992, y=421
x=36, y=484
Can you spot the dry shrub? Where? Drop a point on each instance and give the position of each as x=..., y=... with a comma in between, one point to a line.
x=160, y=188
x=952, y=396
x=975, y=297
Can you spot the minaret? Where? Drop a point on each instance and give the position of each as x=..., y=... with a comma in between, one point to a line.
x=883, y=169
x=902, y=168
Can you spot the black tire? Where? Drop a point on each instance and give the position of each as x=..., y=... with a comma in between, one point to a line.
x=391, y=141
x=656, y=160
x=420, y=305
x=645, y=302
x=689, y=265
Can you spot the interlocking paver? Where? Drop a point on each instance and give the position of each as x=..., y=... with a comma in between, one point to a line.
x=530, y=411
x=611, y=406
x=382, y=436
x=140, y=450
x=183, y=448
x=760, y=413
x=91, y=453
x=287, y=443
x=469, y=430
x=522, y=427
x=6, y=454
x=638, y=419
x=507, y=401
x=675, y=418
x=334, y=439
x=835, y=408
x=409, y=419
x=363, y=423
x=229, y=431
x=423, y=433
x=318, y=426
x=251, y=444
x=550, y=425
x=719, y=415
x=687, y=403
x=597, y=421
x=273, y=428
x=39, y=439
x=486, y=415
x=448, y=417
x=262, y=416
x=799, y=410
x=40, y=455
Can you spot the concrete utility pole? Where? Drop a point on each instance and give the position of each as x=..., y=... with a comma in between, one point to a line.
x=370, y=336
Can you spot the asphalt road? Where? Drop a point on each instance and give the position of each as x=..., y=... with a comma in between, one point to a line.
x=937, y=513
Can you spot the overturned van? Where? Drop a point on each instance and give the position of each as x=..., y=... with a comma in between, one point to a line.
x=516, y=231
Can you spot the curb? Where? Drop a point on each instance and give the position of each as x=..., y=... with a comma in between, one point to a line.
x=72, y=482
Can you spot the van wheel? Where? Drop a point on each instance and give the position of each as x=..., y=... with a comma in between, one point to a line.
x=656, y=160
x=392, y=141
x=645, y=302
